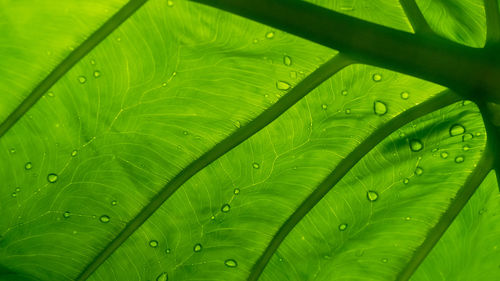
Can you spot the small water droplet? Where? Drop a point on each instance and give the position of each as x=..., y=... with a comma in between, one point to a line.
x=456, y=130
x=225, y=208
x=324, y=106
x=444, y=154
x=384, y=260
x=287, y=60
x=270, y=35
x=416, y=145
x=12, y=150
x=66, y=214
x=167, y=251
x=231, y=263
x=114, y=203
x=82, y=79
x=97, y=74
x=405, y=95
x=153, y=243
x=465, y=148
x=467, y=137
x=344, y=92
x=406, y=180
x=13, y=194
x=237, y=124
x=379, y=108
x=212, y=217
x=419, y=171
x=163, y=276
x=197, y=248
x=282, y=85
x=18, y=189
x=74, y=153
x=377, y=77
x=459, y=159
x=50, y=94
x=92, y=62
x=466, y=102
x=407, y=218
x=104, y=219
x=52, y=178
x=435, y=149
x=342, y=226
x=236, y=191
x=28, y=166
x=348, y=111
x=255, y=165
x=478, y=134
x=372, y=195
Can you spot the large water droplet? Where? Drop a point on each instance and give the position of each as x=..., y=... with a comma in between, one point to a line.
x=459, y=159
x=225, y=208
x=104, y=219
x=28, y=166
x=282, y=85
x=419, y=171
x=66, y=214
x=270, y=35
x=52, y=178
x=162, y=277
x=82, y=79
x=405, y=95
x=153, y=243
x=379, y=108
x=372, y=195
x=287, y=60
x=416, y=145
x=456, y=130
x=197, y=248
x=231, y=263
x=377, y=77
x=342, y=226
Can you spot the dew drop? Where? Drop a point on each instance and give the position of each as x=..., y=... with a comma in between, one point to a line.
x=324, y=106
x=377, y=77
x=153, y=243
x=18, y=189
x=237, y=124
x=97, y=74
x=197, y=248
x=405, y=95
x=342, y=226
x=52, y=178
x=225, y=208
x=467, y=137
x=444, y=154
x=407, y=218
x=12, y=150
x=92, y=62
x=255, y=165
x=466, y=102
x=384, y=260
x=236, y=191
x=435, y=149
x=416, y=145
x=231, y=263
x=114, y=203
x=270, y=35
x=13, y=194
x=28, y=166
x=379, y=108
x=344, y=92
x=406, y=180
x=163, y=276
x=456, y=130
x=459, y=159
x=104, y=219
x=66, y=214
x=372, y=195
x=74, y=153
x=50, y=94
x=419, y=171
x=167, y=251
x=287, y=60
x=82, y=79
x=282, y=85
x=465, y=148
x=348, y=111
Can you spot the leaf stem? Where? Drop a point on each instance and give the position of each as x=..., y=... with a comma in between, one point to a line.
x=463, y=69
x=415, y=16
x=462, y=197
x=265, y=118
x=492, y=22
x=93, y=40
x=441, y=100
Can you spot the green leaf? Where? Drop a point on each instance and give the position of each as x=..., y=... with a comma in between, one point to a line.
x=168, y=140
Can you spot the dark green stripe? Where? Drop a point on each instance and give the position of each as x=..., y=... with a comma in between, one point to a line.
x=415, y=16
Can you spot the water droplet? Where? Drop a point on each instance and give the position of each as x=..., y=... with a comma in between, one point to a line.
x=377, y=77
x=104, y=219
x=92, y=62
x=416, y=145
x=237, y=124
x=419, y=171
x=197, y=248
x=12, y=150
x=50, y=94
x=255, y=165
x=456, y=130
x=287, y=60
x=167, y=251
x=13, y=194
x=435, y=149
x=270, y=35
x=236, y=191
x=225, y=208
x=97, y=74
x=324, y=106
x=344, y=92
x=82, y=79
x=28, y=166
x=153, y=243
x=66, y=214
x=18, y=189
x=466, y=148
x=372, y=195
x=342, y=226
x=170, y=3
x=282, y=85
x=384, y=260
x=466, y=102
x=478, y=134
x=348, y=111
x=407, y=218
x=231, y=263
x=467, y=137
x=114, y=203
x=163, y=276
x=406, y=180
x=444, y=154
x=212, y=217
x=74, y=153
x=52, y=178
x=459, y=159
x=379, y=108
x=405, y=95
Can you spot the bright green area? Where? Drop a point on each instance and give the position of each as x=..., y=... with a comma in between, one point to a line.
x=177, y=78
